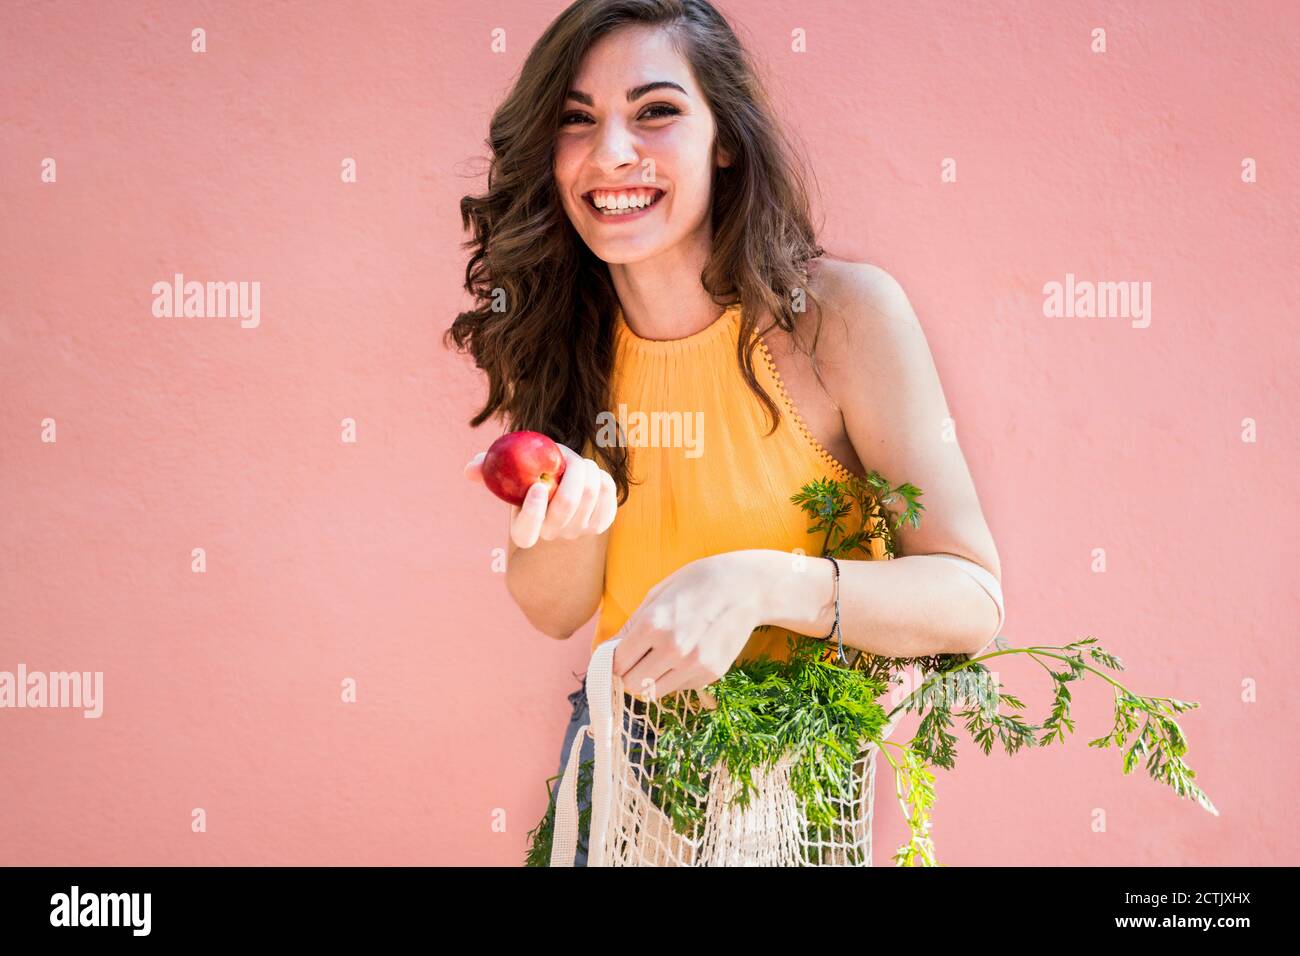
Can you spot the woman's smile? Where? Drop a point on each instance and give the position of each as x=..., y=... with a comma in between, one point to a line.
x=617, y=207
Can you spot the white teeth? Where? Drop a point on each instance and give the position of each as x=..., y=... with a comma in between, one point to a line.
x=611, y=204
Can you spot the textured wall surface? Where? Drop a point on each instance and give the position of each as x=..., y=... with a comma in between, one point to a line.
x=371, y=560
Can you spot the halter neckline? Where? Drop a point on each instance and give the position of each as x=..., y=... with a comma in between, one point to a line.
x=716, y=329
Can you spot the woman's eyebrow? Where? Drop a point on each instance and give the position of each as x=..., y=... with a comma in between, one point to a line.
x=633, y=94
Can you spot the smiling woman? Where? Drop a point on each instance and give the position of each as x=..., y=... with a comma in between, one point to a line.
x=644, y=247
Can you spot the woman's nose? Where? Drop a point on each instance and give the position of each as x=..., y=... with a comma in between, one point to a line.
x=615, y=147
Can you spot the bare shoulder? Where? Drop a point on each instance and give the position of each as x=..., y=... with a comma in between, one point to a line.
x=840, y=274
x=860, y=290
x=867, y=316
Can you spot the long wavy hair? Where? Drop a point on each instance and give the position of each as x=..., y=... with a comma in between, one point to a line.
x=543, y=328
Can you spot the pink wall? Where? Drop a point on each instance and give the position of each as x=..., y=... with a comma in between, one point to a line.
x=373, y=560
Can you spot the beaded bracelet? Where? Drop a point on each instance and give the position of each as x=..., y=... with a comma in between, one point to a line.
x=835, y=628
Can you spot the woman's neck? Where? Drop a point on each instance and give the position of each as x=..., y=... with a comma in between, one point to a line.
x=662, y=297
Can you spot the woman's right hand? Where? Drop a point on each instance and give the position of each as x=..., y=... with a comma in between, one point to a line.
x=584, y=504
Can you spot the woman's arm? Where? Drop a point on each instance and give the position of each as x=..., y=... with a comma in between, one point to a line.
x=905, y=607
x=558, y=584
x=555, y=562
x=879, y=369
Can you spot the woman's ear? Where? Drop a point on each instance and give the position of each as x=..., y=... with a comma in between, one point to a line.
x=724, y=158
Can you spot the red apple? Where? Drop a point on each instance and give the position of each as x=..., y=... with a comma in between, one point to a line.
x=517, y=460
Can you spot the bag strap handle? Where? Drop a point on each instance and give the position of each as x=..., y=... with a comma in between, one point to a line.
x=564, y=839
x=602, y=690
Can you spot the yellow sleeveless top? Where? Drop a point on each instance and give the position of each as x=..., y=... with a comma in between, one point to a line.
x=714, y=483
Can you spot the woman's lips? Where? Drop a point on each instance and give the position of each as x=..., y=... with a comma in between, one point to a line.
x=623, y=217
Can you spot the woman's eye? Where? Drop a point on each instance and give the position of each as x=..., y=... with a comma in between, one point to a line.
x=659, y=110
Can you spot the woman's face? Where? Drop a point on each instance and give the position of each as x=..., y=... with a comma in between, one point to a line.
x=617, y=151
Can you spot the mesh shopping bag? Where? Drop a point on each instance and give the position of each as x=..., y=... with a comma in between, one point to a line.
x=628, y=828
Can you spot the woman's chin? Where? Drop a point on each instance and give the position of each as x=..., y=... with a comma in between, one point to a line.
x=623, y=252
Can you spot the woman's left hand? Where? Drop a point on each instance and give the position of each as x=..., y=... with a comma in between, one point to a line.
x=691, y=626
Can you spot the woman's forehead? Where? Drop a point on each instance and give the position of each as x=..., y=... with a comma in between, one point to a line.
x=630, y=57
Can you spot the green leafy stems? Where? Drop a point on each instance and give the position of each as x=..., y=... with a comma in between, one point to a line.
x=957, y=679
x=1160, y=740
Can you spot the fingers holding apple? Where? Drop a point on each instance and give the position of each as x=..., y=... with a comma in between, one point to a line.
x=516, y=460
x=569, y=514
x=553, y=491
x=526, y=519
